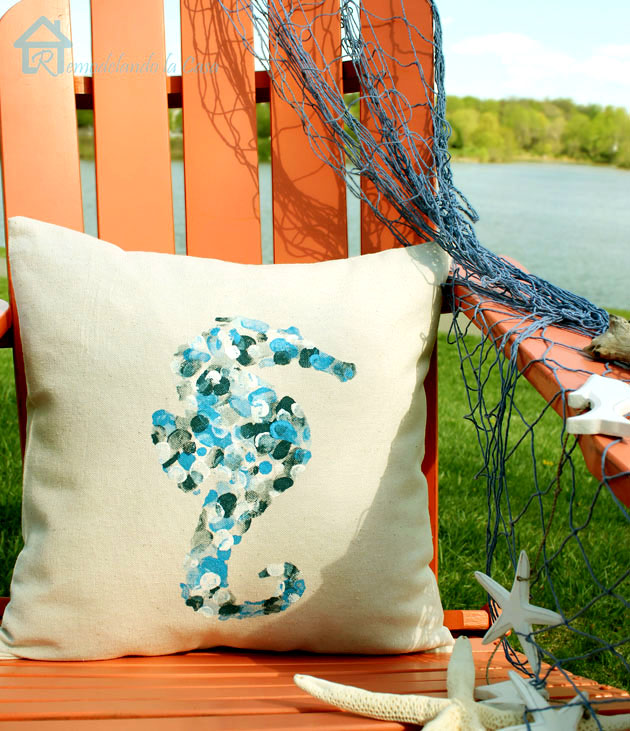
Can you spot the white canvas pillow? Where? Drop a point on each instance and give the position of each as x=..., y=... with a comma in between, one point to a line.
x=222, y=454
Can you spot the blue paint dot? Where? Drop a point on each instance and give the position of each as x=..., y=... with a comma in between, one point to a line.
x=265, y=467
x=163, y=418
x=186, y=460
x=292, y=331
x=302, y=456
x=321, y=361
x=262, y=394
x=202, y=451
x=283, y=430
x=256, y=325
x=191, y=355
x=280, y=345
x=216, y=565
x=241, y=406
x=250, y=457
x=210, y=497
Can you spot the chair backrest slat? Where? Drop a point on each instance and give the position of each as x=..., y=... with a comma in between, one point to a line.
x=393, y=36
x=220, y=137
x=309, y=198
x=40, y=152
x=38, y=131
x=133, y=160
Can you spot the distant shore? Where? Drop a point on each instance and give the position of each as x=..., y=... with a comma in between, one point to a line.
x=86, y=152
x=540, y=159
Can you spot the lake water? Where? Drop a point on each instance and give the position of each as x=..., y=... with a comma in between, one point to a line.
x=567, y=223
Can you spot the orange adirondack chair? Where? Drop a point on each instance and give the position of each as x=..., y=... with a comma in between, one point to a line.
x=41, y=179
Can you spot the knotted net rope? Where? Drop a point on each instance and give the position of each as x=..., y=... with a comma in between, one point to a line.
x=553, y=510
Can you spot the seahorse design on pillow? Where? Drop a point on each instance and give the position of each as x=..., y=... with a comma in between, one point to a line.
x=253, y=441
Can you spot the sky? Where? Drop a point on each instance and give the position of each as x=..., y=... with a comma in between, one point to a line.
x=538, y=48
x=498, y=48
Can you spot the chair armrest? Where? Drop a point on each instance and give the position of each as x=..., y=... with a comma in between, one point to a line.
x=604, y=456
x=6, y=325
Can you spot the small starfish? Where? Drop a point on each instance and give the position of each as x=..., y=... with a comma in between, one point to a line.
x=517, y=613
x=458, y=712
x=569, y=717
x=503, y=695
x=565, y=718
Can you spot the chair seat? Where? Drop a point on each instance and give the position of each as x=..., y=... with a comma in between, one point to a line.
x=231, y=689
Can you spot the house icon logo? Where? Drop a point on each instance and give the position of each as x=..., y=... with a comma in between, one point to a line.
x=44, y=46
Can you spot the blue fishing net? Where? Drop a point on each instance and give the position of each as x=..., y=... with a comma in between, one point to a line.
x=552, y=510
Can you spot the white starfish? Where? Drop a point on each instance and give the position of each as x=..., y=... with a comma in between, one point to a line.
x=503, y=695
x=608, y=400
x=565, y=718
x=458, y=712
x=517, y=613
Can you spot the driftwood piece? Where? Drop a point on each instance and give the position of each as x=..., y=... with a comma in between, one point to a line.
x=614, y=344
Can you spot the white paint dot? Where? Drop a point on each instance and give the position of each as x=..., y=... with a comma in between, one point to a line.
x=209, y=581
x=164, y=451
x=176, y=472
x=223, y=540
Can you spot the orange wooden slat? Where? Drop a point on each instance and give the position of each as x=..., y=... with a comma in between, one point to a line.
x=40, y=153
x=382, y=22
x=220, y=137
x=39, y=689
x=309, y=198
x=331, y=721
x=284, y=687
x=131, y=134
x=458, y=620
x=174, y=674
x=38, y=132
x=139, y=708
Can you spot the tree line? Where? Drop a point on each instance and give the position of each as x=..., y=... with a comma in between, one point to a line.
x=504, y=130
x=511, y=129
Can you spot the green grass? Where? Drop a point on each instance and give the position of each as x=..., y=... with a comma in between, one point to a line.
x=463, y=517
